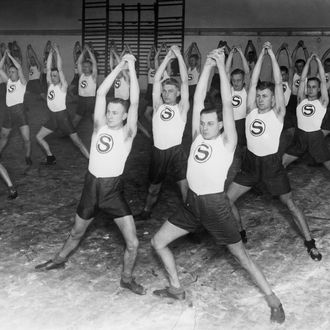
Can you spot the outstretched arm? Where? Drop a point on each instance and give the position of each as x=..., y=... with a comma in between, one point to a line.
x=184, y=102
x=19, y=69
x=200, y=93
x=229, y=61
x=2, y=63
x=245, y=65
x=284, y=47
x=251, y=98
x=60, y=67
x=94, y=62
x=49, y=66
x=80, y=61
x=324, y=90
x=132, y=117
x=102, y=91
x=302, y=85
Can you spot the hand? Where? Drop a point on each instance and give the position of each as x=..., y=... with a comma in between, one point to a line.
x=55, y=47
x=284, y=45
x=170, y=55
x=210, y=61
x=86, y=47
x=29, y=46
x=129, y=58
x=219, y=56
x=176, y=50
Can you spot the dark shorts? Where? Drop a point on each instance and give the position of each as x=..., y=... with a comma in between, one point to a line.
x=14, y=116
x=326, y=120
x=104, y=194
x=171, y=161
x=34, y=86
x=213, y=212
x=267, y=170
x=290, y=118
x=60, y=121
x=86, y=106
x=74, y=84
x=148, y=96
x=240, y=129
x=311, y=142
x=43, y=81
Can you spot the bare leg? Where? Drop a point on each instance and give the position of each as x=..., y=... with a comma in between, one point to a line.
x=4, y=137
x=5, y=176
x=76, y=120
x=183, y=185
x=288, y=159
x=25, y=133
x=78, y=143
x=327, y=165
x=152, y=197
x=43, y=132
x=325, y=132
x=167, y=234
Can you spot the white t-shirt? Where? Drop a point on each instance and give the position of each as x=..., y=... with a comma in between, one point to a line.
x=15, y=92
x=56, y=98
x=87, y=86
x=239, y=103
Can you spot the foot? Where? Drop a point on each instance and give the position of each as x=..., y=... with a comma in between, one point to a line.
x=277, y=314
x=170, y=292
x=28, y=161
x=50, y=264
x=243, y=236
x=12, y=193
x=50, y=160
x=144, y=215
x=133, y=286
x=312, y=250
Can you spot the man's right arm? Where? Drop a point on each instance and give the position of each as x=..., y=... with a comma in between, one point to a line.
x=301, y=90
x=2, y=72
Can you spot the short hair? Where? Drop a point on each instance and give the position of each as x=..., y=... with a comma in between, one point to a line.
x=212, y=110
x=13, y=66
x=300, y=60
x=284, y=69
x=171, y=81
x=327, y=61
x=88, y=61
x=195, y=56
x=117, y=100
x=314, y=79
x=54, y=69
x=262, y=85
x=238, y=71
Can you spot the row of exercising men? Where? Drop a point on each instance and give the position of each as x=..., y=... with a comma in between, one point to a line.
x=202, y=182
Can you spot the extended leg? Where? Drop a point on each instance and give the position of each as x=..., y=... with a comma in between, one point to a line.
x=78, y=143
x=4, y=137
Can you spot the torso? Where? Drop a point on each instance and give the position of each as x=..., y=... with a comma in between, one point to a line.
x=15, y=92
x=87, y=86
x=239, y=103
x=56, y=98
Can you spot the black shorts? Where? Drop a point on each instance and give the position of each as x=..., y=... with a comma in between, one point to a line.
x=267, y=169
x=15, y=116
x=44, y=84
x=148, y=96
x=326, y=120
x=104, y=194
x=86, y=106
x=311, y=142
x=213, y=212
x=34, y=86
x=240, y=129
x=60, y=121
x=170, y=161
x=290, y=118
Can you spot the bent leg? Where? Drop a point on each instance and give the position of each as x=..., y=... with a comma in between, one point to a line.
x=5, y=176
x=288, y=159
x=25, y=133
x=41, y=135
x=152, y=197
x=78, y=143
x=4, y=137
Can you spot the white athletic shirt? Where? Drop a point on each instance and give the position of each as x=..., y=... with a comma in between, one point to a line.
x=193, y=76
x=287, y=92
x=87, y=86
x=295, y=83
x=108, y=152
x=151, y=76
x=238, y=101
x=208, y=165
x=167, y=126
x=15, y=92
x=121, y=88
x=310, y=115
x=56, y=98
x=34, y=73
x=263, y=131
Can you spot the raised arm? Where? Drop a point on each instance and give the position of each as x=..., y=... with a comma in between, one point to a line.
x=60, y=67
x=199, y=62
x=49, y=66
x=279, y=94
x=17, y=53
x=324, y=90
x=229, y=61
x=19, y=69
x=325, y=55
x=149, y=57
x=102, y=91
x=300, y=44
x=3, y=74
x=157, y=87
x=251, y=97
x=32, y=54
x=132, y=116
x=285, y=49
x=94, y=62
x=245, y=66
x=76, y=52
x=250, y=49
x=200, y=93
x=80, y=61
x=184, y=93
x=301, y=90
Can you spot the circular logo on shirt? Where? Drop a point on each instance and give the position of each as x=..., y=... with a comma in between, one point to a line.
x=51, y=95
x=308, y=110
x=297, y=83
x=167, y=114
x=31, y=72
x=202, y=153
x=83, y=84
x=284, y=88
x=117, y=83
x=190, y=76
x=152, y=73
x=236, y=101
x=257, y=127
x=11, y=88
x=104, y=143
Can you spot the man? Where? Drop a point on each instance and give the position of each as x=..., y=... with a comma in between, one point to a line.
x=87, y=70
x=262, y=162
x=210, y=157
x=239, y=80
x=193, y=62
x=110, y=147
x=168, y=123
x=58, y=115
x=311, y=110
x=15, y=114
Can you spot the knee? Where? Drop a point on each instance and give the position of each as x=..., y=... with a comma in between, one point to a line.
x=154, y=190
x=156, y=244
x=132, y=245
x=77, y=233
x=39, y=138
